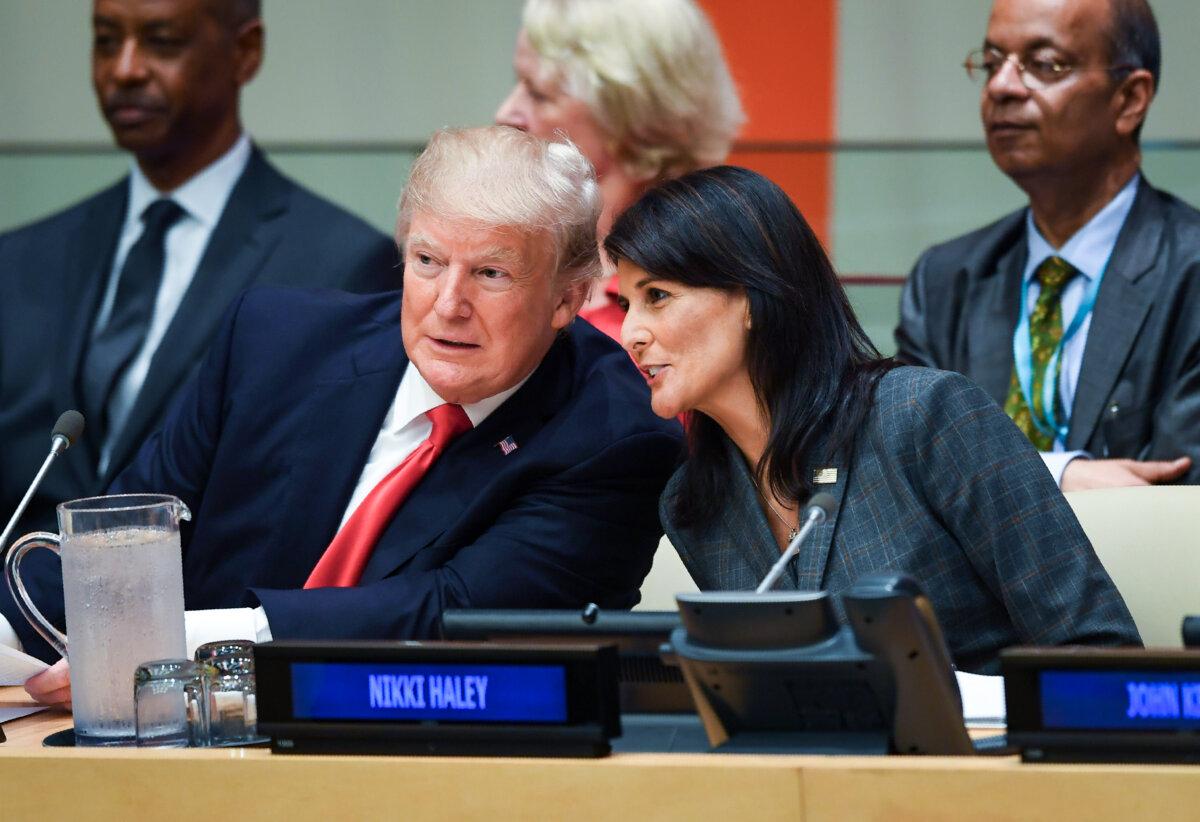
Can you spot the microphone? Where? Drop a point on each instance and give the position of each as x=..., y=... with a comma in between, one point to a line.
x=66, y=433
x=819, y=508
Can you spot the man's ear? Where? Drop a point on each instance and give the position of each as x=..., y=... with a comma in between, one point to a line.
x=250, y=43
x=571, y=299
x=1131, y=102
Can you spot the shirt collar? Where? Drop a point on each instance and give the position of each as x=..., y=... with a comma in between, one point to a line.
x=203, y=196
x=1090, y=247
x=415, y=396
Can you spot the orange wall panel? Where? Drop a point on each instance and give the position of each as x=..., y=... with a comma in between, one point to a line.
x=782, y=55
x=805, y=176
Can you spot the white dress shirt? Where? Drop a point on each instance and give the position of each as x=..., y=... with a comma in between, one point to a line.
x=203, y=199
x=1088, y=250
x=406, y=426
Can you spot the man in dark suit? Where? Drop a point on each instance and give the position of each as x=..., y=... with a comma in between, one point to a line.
x=1081, y=314
x=100, y=312
x=351, y=477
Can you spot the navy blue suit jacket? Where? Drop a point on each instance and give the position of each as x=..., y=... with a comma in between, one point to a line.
x=267, y=445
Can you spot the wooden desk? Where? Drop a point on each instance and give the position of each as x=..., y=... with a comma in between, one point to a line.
x=77, y=784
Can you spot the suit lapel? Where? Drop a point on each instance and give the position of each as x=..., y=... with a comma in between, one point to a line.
x=814, y=553
x=739, y=547
x=342, y=419
x=87, y=275
x=994, y=309
x=455, y=484
x=737, y=550
x=1125, y=297
x=243, y=237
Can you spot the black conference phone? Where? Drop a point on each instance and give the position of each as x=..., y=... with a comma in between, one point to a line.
x=776, y=672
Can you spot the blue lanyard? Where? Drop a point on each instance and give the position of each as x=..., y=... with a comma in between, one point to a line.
x=1023, y=359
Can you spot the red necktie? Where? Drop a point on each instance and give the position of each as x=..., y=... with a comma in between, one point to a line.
x=342, y=564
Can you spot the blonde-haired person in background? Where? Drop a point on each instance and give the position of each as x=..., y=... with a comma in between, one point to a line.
x=640, y=86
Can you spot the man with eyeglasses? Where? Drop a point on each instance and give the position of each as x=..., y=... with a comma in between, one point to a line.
x=1080, y=314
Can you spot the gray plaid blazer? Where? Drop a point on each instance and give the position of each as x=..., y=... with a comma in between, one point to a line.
x=942, y=486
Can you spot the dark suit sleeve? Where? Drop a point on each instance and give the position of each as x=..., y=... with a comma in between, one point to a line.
x=912, y=334
x=1175, y=421
x=985, y=482
x=584, y=535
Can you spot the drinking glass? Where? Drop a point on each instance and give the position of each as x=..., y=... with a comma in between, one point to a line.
x=223, y=647
x=171, y=702
x=232, y=703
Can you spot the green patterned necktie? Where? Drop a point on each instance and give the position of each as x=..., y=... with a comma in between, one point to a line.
x=1045, y=333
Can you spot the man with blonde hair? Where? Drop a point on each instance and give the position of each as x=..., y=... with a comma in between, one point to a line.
x=641, y=86
x=351, y=479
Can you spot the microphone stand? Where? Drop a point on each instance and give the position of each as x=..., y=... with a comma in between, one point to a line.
x=814, y=516
x=58, y=444
x=67, y=430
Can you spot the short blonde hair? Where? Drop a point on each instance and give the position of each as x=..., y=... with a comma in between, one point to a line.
x=501, y=177
x=651, y=72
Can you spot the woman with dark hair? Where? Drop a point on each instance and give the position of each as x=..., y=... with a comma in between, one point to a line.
x=736, y=316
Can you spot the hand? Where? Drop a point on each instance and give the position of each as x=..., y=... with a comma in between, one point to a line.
x=52, y=686
x=1083, y=474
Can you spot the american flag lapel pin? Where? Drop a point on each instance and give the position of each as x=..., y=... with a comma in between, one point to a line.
x=507, y=445
x=825, y=476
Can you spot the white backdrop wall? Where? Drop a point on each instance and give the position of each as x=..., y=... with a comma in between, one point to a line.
x=350, y=90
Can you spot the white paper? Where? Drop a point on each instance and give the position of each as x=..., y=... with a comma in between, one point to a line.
x=16, y=712
x=982, y=699
x=16, y=667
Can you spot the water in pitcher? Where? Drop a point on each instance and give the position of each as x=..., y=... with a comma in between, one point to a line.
x=115, y=623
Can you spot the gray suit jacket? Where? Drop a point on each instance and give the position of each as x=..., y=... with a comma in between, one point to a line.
x=52, y=275
x=1139, y=383
x=942, y=486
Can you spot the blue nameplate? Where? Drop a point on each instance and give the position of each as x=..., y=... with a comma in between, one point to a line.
x=1103, y=704
x=420, y=692
x=437, y=698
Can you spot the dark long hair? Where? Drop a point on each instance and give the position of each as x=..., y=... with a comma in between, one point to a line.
x=812, y=366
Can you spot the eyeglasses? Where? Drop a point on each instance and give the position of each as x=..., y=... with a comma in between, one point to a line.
x=1035, y=73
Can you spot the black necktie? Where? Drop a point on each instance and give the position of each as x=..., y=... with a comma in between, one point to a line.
x=115, y=346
